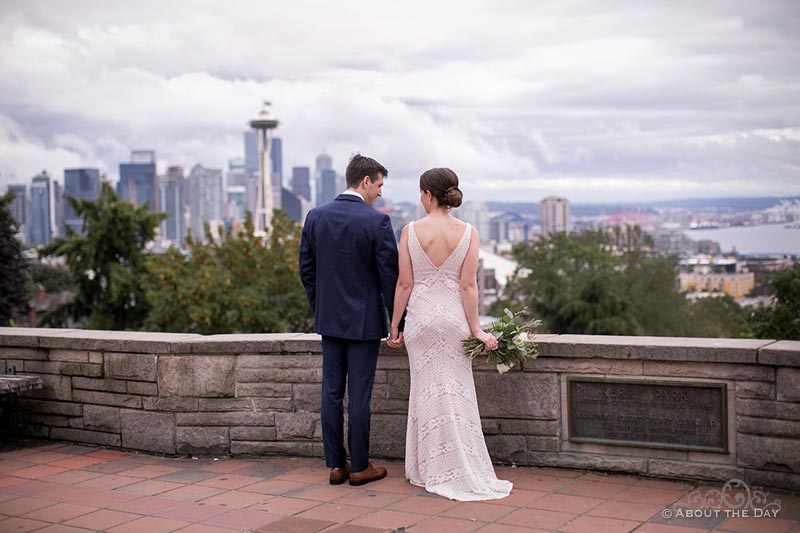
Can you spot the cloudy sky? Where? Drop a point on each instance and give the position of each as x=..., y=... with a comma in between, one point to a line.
x=596, y=101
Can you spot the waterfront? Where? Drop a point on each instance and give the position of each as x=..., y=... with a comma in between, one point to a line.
x=771, y=239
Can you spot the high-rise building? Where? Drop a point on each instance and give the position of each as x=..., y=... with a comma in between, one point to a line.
x=326, y=187
x=138, y=181
x=206, y=198
x=292, y=204
x=42, y=214
x=301, y=182
x=251, y=151
x=236, y=203
x=174, y=200
x=276, y=154
x=554, y=212
x=79, y=183
x=19, y=209
x=322, y=163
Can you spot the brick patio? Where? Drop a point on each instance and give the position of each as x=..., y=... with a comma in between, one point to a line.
x=67, y=488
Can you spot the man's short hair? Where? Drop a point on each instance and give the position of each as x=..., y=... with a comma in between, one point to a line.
x=360, y=166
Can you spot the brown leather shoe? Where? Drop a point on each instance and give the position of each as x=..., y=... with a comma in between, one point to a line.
x=339, y=475
x=369, y=474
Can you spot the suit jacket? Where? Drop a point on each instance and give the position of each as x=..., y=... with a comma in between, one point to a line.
x=348, y=266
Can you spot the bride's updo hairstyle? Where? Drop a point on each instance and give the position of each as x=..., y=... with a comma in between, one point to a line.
x=443, y=184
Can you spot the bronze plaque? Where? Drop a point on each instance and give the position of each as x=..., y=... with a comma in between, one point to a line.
x=660, y=414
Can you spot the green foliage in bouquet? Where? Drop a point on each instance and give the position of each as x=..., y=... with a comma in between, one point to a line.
x=514, y=341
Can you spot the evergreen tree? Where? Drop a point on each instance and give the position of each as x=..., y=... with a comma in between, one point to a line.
x=782, y=321
x=13, y=298
x=233, y=284
x=106, y=262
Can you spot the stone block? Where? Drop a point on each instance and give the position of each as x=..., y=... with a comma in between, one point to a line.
x=781, y=353
x=280, y=375
x=76, y=423
x=780, y=480
x=202, y=440
x=38, y=419
x=171, y=404
x=518, y=395
x=584, y=366
x=18, y=337
x=104, y=385
x=761, y=390
x=279, y=361
x=236, y=418
x=237, y=343
x=76, y=356
x=310, y=343
x=107, y=398
x=89, y=437
x=307, y=396
x=769, y=426
x=530, y=427
x=389, y=406
x=142, y=388
x=541, y=443
x=380, y=376
x=768, y=409
x=292, y=448
x=134, y=366
x=709, y=370
x=101, y=418
x=507, y=449
x=15, y=353
x=393, y=362
x=490, y=426
x=64, y=368
x=295, y=425
x=273, y=404
x=691, y=470
x=253, y=433
x=115, y=341
x=768, y=453
x=55, y=388
x=50, y=407
x=788, y=384
x=271, y=390
x=148, y=431
x=588, y=461
x=398, y=385
x=226, y=404
x=387, y=436
x=96, y=358
x=204, y=376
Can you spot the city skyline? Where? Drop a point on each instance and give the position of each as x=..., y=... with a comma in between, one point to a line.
x=636, y=102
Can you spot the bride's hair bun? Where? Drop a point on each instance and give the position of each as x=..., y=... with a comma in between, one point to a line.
x=443, y=184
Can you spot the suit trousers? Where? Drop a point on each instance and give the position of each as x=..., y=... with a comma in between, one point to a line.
x=351, y=363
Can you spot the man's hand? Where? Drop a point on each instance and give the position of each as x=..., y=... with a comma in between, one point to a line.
x=395, y=339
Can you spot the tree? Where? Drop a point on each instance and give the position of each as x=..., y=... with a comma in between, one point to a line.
x=13, y=297
x=717, y=316
x=234, y=284
x=782, y=321
x=106, y=262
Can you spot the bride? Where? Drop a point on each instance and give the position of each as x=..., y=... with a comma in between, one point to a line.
x=437, y=287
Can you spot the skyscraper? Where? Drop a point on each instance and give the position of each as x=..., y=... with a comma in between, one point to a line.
x=251, y=151
x=19, y=209
x=206, y=198
x=326, y=187
x=292, y=204
x=301, y=182
x=173, y=194
x=79, y=183
x=138, y=181
x=42, y=215
x=322, y=163
x=554, y=212
x=276, y=154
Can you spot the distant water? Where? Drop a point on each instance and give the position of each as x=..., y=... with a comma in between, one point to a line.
x=771, y=239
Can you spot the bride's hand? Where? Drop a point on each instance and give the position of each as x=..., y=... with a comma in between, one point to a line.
x=488, y=340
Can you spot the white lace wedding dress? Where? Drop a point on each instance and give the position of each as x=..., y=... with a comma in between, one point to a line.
x=445, y=449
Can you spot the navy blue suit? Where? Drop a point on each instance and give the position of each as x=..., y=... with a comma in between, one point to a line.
x=348, y=266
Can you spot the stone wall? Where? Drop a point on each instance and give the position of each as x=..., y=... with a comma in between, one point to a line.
x=259, y=394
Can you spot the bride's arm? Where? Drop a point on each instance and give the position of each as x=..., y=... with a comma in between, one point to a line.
x=469, y=292
x=405, y=282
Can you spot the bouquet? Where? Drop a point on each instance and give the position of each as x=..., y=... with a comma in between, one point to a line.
x=514, y=341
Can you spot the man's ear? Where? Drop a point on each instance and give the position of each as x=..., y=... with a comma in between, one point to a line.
x=365, y=181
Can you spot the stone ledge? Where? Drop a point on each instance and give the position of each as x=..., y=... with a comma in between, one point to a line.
x=654, y=348
x=780, y=353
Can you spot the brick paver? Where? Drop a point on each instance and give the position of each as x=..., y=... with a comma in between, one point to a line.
x=50, y=487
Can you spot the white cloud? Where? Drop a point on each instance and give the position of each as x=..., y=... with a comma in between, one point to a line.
x=582, y=99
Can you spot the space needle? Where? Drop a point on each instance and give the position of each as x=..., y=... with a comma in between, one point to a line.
x=264, y=124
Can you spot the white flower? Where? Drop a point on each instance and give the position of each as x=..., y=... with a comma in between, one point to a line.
x=501, y=368
x=521, y=340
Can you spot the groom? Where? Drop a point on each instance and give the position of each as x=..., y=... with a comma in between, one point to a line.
x=348, y=265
